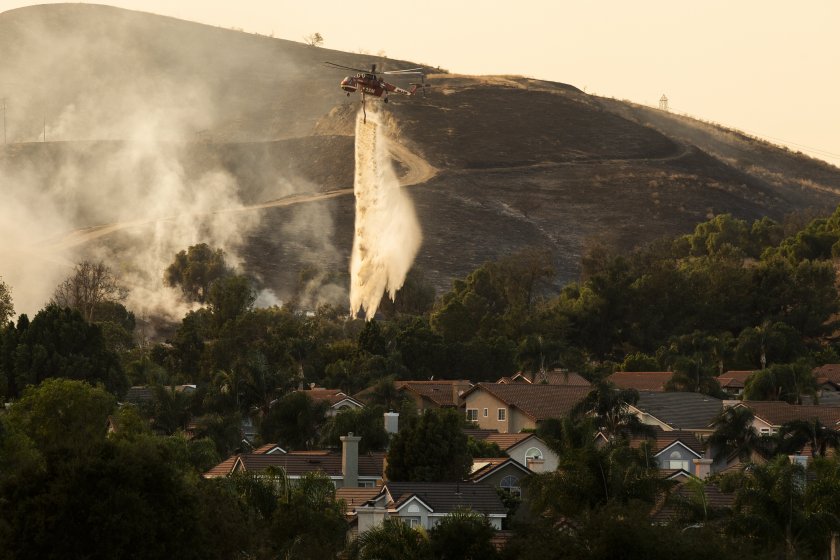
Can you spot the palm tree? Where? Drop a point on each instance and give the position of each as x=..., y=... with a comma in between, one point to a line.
x=735, y=433
x=611, y=408
x=794, y=435
x=775, y=507
x=393, y=540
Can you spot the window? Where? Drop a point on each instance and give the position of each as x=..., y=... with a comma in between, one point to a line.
x=472, y=415
x=413, y=522
x=486, y=412
x=502, y=414
x=676, y=461
x=533, y=453
x=511, y=484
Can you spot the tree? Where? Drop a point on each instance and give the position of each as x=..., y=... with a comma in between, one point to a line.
x=7, y=308
x=431, y=449
x=60, y=343
x=392, y=540
x=314, y=40
x=796, y=434
x=776, y=508
x=230, y=297
x=463, y=535
x=735, y=433
x=782, y=382
x=90, y=285
x=366, y=422
x=195, y=270
x=294, y=421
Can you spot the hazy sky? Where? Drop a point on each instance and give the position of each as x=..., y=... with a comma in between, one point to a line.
x=770, y=68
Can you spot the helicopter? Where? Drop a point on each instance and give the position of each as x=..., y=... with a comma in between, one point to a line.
x=370, y=83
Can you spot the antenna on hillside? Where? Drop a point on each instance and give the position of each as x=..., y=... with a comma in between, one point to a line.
x=663, y=103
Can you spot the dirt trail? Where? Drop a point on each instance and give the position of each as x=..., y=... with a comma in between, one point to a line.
x=415, y=170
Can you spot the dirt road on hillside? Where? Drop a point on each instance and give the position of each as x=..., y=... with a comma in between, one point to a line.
x=414, y=170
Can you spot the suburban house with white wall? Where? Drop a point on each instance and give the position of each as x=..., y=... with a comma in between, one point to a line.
x=524, y=447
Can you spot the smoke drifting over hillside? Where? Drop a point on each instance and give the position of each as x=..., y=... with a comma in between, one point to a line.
x=121, y=99
x=387, y=233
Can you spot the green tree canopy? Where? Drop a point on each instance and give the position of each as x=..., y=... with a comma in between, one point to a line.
x=433, y=448
x=195, y=270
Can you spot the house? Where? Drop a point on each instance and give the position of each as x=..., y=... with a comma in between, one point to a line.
x=226, y=467
x=500, y=472
x=686, y=498
x=142, y=394
x=769, y=416
x=424, y=504
x=678, y=411
x=445, y=393
x=675, y=451
x=733, y=382
x=346, y=469
x=524, y=447
x=641, y=380
x=511, y=408
x=552, y=377
x=337, y=399
x=828, y=377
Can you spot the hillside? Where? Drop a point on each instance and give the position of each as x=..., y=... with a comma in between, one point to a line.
x=149, y=119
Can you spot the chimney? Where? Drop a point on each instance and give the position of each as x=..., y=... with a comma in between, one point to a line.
x=702, y=468
x=392, y=422
x=350, y=460
x=536, y=465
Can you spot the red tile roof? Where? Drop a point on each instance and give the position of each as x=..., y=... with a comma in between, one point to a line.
x=828, y=373
x=641, y=380
x=538, y=402
x=734, y=379
x=355, y=497
x=370, y=465
x=332, y=396
x=777, y=413
x=222, y=469
x=552, y=377
x=442, y=393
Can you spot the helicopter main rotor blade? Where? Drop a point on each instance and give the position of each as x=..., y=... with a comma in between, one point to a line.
x=407, y=71
x=348, y=67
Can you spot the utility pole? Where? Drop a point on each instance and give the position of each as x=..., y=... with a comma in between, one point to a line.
x=4, y=120
x=45, y=128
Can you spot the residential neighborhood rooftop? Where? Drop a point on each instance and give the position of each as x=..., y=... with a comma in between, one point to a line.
x=777, y=413
x=641, y=380
x=680, y=410
x=446, y=497
x=538, y=402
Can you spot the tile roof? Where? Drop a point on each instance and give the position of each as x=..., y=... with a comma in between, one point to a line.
x=370, y=465
x=484, y=466
x=734, y=379
x=442, y=393
x=355, y=497
x=139, y=393
x=222, y=469
x=551, y=377
x=538, y=402
x=662, y=439
x=777, y=413
x=504, y=441
x=685, y=411
x=828, y=373
x=641, y=380
x=332, y=396
x=446, y=497
x=670, y=510
x=263, y=449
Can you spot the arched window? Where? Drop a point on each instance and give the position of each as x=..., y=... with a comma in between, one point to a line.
x=511, y=484
x=533, y=453
x=676, y=461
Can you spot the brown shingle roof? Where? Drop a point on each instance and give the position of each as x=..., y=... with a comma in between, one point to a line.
x=370, y=465
x=828, y=373
x=686, y=411
x=641, y=380
x=538, y=402
x=777, y=413
x=446, y=497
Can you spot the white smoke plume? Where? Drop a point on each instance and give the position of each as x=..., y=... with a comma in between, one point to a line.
x=387, y=233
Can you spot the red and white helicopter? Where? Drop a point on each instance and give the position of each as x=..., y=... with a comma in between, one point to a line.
x=370, y=83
